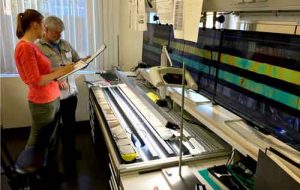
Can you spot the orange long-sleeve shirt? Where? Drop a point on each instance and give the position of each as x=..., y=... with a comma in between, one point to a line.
x=31, y=65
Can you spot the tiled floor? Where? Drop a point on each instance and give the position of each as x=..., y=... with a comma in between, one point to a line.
x=92, y=172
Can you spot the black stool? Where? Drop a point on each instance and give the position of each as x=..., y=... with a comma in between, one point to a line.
x=22, y=173
x=28, y=165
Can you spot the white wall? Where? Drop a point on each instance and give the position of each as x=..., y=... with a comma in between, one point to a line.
x=14, y=105
x=130, y=42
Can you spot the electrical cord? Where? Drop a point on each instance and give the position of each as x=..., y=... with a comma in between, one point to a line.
x=192, y=122
x=140, y=65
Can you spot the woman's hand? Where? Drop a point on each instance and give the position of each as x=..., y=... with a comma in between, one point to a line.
x=56, y=74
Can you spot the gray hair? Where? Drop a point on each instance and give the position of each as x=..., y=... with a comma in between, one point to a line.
x=53, y=22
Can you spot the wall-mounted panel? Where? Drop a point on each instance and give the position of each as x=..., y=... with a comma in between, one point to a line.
x=254, y=74
x=153, y=39
x=254, y=5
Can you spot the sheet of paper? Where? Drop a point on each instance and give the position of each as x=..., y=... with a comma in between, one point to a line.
x=186, y=16
x=192, y=14
x=165, y=11
x=141, y=16
x=132, y=14
x=137, y=15
x=178, y=19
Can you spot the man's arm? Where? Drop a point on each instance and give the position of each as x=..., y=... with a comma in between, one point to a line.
x=75, y=56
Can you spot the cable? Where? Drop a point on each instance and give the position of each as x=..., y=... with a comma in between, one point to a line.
x=192, y=122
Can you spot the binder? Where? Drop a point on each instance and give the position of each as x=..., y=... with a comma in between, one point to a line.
x=81, y=64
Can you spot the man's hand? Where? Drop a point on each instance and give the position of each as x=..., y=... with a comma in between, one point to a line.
x=63, y=85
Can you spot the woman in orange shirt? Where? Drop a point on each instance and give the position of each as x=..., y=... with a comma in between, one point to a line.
x=35, y=70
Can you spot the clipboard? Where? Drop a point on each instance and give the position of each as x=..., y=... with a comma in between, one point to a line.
x=81, y=64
